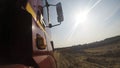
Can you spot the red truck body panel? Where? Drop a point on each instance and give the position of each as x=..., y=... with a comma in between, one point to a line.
x=28, y=43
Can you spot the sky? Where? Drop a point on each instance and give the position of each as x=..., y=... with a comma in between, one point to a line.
x=85, y=21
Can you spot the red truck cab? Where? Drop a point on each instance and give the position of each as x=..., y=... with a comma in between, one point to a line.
x=25, y=37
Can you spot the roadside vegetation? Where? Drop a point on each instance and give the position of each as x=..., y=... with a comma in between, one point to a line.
x=103, y=54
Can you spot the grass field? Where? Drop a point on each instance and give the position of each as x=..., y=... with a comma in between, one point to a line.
x=106, y=56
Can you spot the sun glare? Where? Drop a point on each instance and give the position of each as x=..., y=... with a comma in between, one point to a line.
x=81, y=17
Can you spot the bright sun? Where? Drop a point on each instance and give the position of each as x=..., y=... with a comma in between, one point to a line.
x=81, y=17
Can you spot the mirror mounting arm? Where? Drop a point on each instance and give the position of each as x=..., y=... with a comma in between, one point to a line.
x=48, y=5
x=56, y=24
x=51, y=5
x=50, y=25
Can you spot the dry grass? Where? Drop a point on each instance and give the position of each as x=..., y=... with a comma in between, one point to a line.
x=98, y=57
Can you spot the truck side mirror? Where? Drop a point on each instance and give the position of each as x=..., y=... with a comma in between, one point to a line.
x=60, y=17
x=59, y=10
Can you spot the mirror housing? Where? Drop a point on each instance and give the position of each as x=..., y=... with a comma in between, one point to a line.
x=59, y=10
